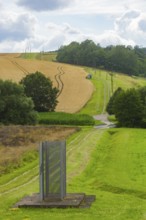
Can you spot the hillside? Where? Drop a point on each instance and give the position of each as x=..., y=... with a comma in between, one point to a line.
x=119, y=58
x=108, y=163
x=75, y=89
x=70, y=80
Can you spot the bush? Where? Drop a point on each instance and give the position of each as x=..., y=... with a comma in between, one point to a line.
x=15, y=106
x=111, y=104
x=128, y=109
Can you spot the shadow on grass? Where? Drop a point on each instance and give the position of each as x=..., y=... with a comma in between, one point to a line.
x=118, y=190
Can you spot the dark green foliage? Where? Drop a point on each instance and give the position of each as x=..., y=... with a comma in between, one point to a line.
x=111, y=104
x=41, y=90
x=15, y=107
x=142, y=92
x=129, y=109
x=128, y=60
x=61, y=118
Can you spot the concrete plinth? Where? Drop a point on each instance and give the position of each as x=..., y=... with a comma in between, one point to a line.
x=72, y=200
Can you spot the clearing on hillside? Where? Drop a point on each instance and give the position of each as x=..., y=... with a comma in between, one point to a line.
x=75, y=89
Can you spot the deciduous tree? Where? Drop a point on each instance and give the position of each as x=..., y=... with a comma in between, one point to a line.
x=40, y=89
x=129, y=109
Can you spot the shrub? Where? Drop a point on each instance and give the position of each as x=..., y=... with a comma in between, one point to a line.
x=15, y=106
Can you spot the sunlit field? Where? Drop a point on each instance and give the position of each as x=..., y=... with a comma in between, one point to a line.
x=75, y=89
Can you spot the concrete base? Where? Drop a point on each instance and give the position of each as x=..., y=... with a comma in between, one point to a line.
x=72, y=200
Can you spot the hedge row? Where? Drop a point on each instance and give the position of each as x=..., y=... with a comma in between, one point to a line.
x=61, y=118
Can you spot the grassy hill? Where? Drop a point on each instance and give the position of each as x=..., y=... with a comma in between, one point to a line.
x=103, y=88
x=109, y=163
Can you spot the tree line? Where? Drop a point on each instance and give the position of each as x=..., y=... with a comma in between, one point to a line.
x=120, y=58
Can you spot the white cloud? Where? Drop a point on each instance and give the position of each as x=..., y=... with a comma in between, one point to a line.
x=67, y=20
x=53, y=43
x=123, y=22
x=57, y=35
x=132, y=25
x=16, y=27
x=112, y=38
x=70, y=30
x=142, y=24
x=65, y=34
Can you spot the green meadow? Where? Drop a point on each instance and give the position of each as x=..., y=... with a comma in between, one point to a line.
x=108, y=163
x=103, y=89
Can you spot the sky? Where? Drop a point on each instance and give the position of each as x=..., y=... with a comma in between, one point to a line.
x=46, y=25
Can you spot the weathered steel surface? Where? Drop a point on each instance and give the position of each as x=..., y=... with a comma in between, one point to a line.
x=52, y=170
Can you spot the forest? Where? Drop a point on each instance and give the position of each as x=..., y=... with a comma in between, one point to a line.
x=123, y=59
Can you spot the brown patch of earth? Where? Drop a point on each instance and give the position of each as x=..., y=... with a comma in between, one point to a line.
x=17, y=141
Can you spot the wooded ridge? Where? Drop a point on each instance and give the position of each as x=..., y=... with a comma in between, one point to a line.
x=120, y=58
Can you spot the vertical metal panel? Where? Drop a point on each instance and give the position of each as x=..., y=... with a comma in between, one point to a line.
x=46, y=168
x=63, y=170
x=53, y=170
x=41, y=172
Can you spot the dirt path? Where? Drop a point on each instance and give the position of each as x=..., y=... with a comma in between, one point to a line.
x=104, y=119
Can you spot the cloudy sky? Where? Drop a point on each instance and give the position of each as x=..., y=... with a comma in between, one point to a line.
x=36, y=25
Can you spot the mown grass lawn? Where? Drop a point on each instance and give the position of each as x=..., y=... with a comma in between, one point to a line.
x=107, y=163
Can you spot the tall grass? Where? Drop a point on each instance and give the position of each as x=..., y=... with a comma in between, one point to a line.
x=61, y=118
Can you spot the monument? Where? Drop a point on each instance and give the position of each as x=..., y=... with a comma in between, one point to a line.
x=52, y=181
x=52, y=170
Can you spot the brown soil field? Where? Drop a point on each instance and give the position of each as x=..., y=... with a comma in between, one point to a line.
x=17, y=141
x=75, y=89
